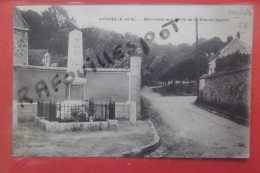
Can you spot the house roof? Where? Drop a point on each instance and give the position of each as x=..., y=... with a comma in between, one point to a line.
x=36, y=55
x=232, y=47
x=20, y=23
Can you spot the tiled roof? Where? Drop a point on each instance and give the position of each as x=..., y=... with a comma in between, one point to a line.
x=232, y=47
x=19, y=22
x=35, y=56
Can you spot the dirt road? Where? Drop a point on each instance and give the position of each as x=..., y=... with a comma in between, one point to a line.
x=188, y=131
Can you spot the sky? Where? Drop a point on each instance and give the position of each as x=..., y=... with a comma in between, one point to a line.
x=214, y=20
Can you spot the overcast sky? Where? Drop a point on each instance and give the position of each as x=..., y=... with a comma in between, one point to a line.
x=240, y=18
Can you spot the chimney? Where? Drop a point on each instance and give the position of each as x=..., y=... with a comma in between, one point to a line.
x=238, y=35
x=229, y=39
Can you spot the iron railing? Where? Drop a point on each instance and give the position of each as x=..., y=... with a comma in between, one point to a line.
x=76, y=112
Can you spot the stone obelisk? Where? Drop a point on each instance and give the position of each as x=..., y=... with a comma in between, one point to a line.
x=75, y=88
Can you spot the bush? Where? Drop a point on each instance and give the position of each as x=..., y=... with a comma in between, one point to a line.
x=144, y=108
x=63, y=62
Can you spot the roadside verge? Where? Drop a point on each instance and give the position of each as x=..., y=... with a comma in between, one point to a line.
x=140, y=151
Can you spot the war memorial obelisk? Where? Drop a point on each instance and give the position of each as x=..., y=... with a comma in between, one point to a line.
x=75, y=80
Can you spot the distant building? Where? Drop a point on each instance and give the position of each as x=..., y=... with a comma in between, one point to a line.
x=36, y=56
x=234, y=46
x=20, y=50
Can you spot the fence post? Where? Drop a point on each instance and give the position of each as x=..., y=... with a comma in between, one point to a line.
x=106, y=111
x=91, y=109
x=40, y=107
x=112, y=112
x=47, y=110
x=102, y=111
x=133, y=113
x=76, y=112
x=52, y=109
x=60, y=111
x=86, y=112
x=43, y=110
x=64, y=109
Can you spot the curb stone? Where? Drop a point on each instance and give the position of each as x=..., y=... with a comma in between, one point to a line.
x=140, y=151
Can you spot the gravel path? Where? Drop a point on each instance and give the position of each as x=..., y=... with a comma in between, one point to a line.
x=188, y=131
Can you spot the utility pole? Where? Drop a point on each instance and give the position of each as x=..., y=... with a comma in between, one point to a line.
x=197, y=56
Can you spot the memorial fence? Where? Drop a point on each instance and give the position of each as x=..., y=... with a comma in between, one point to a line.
x=76, y=112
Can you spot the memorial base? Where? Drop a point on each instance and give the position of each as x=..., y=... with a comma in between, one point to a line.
x=75, y=92
x=112, y=124
x=56, y=127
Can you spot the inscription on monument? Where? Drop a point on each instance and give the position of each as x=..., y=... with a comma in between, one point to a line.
x=77, y=92
x=75, y=52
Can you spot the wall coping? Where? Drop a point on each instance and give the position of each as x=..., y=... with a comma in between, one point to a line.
x=35, y=103
x=226, y=72
x=17, y=28
x=31, y=67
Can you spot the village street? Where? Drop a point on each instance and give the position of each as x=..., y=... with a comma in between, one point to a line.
x=186, y=130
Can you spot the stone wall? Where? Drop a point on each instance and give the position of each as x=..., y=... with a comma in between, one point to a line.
x=123, y=85
x=135, y=84
x=26, y=113
x=101, y=85
x=227, y=91
x=20, y=50
x=122, y=111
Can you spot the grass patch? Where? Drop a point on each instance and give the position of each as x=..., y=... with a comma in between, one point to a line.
x=145, y=105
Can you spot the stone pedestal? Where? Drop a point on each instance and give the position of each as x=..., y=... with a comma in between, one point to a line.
x=112, y=124
x=76, y=90
x=133, y=113
x=135, y=86
x=75, y=52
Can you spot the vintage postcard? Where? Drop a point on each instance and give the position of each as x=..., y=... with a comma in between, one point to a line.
x=151, y=81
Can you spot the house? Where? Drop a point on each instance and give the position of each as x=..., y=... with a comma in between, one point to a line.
x=20, y=50
x=36, y=56
x=232, y=47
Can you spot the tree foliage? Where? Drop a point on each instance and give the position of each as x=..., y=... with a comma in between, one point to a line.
x=111, y=49
x=58, y=43
x=209, y=47
x=49, y=30
x=35, y=35
x=182, y=61
x=232, y=61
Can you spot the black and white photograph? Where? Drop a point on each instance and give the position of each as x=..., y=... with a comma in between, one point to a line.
x=132, y=80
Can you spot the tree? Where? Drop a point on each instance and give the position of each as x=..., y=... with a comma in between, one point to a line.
x=190, y=70
x=209, y=47
x=49, y=30
x=56, y=18
x=35, y=35
x=59, y=42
